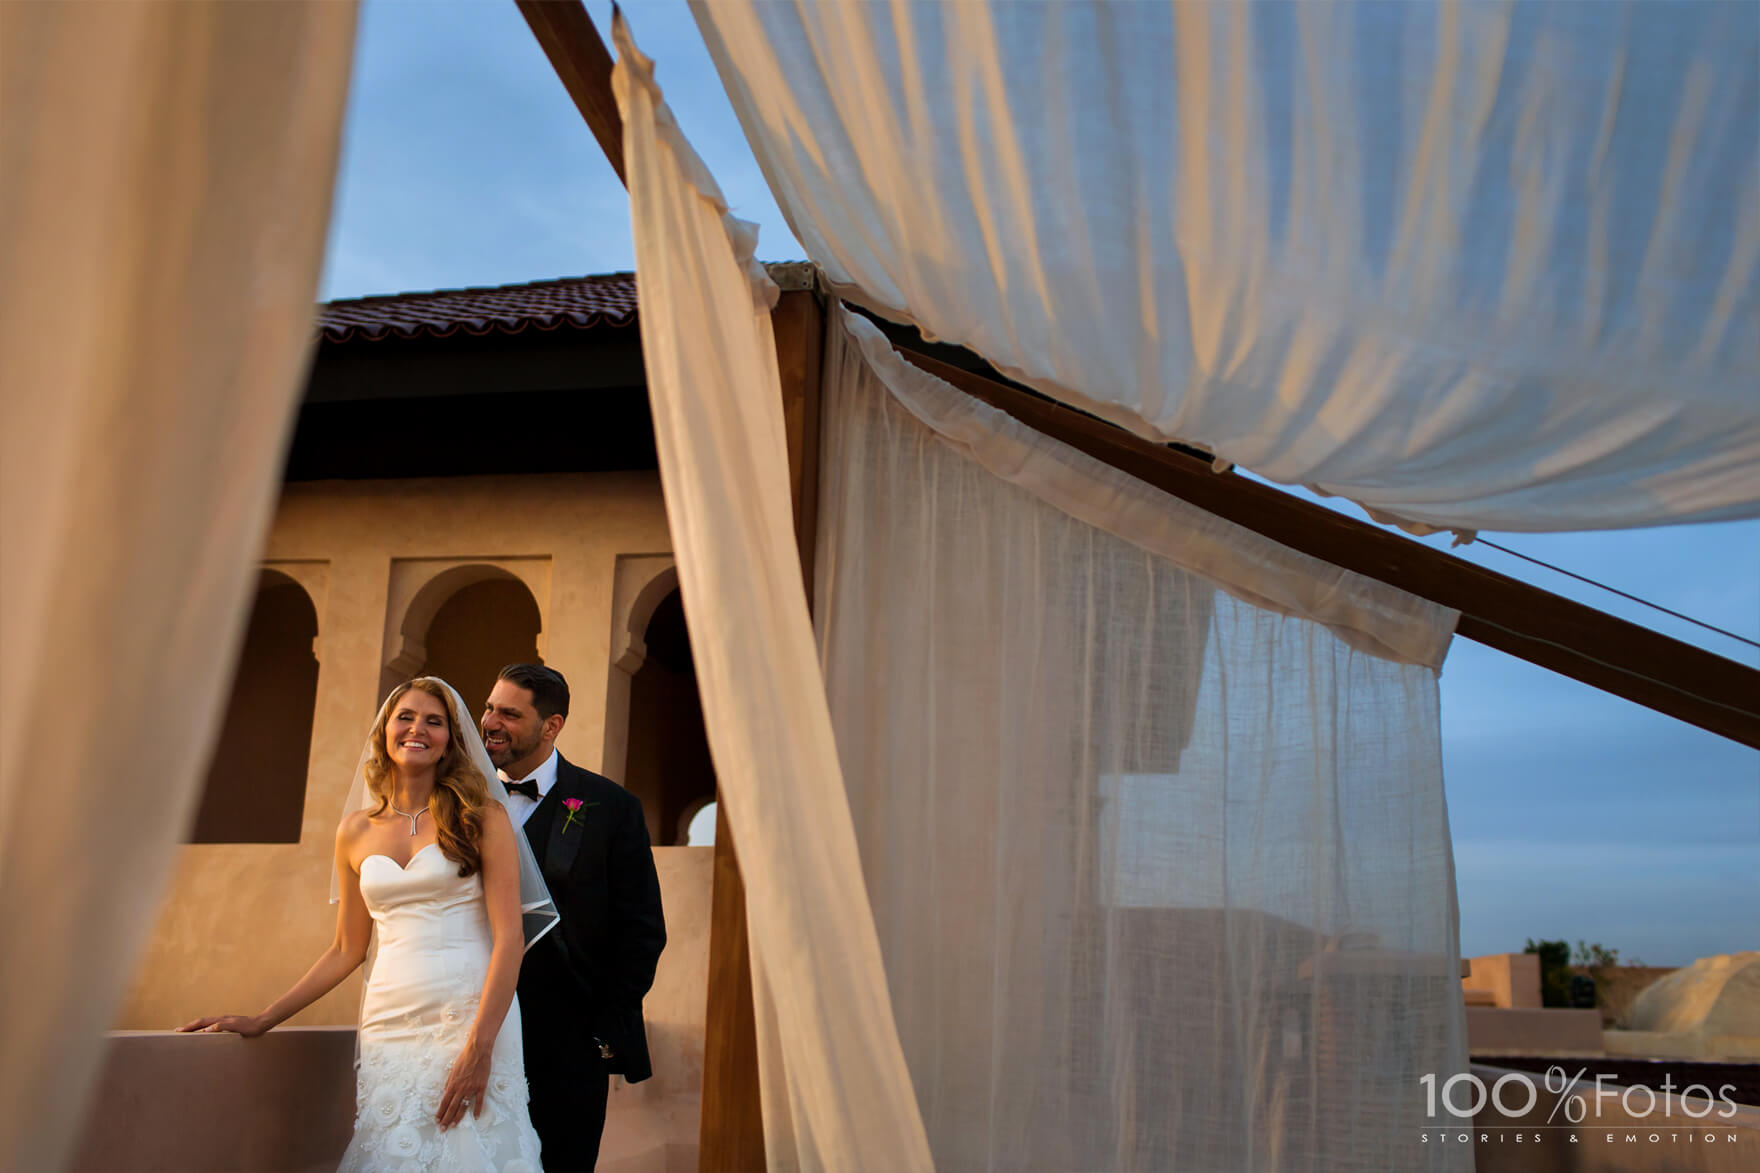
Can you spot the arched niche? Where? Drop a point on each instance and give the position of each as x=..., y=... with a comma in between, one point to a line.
x=667, y=763
x=255, y=791
x=639, y=583
x=462, y=621
x=704, y=807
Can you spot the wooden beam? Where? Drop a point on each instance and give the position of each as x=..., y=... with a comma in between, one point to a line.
x=731, y=1135
x=1634, y=662
x=580, y=59
x=798, y=323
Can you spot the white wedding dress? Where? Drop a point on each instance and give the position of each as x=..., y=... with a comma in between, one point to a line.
x=433, y=954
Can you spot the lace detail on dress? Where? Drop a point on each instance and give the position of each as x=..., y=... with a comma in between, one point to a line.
x=420, y=1002
x=398, y=1086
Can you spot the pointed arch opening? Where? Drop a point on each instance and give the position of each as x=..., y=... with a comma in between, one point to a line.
x=667, y=763
x=464, y=625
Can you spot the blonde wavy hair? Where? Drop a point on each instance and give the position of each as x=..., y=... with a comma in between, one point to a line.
x=460, y=791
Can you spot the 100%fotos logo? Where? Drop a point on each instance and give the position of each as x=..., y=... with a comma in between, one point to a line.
x=1514, y=1095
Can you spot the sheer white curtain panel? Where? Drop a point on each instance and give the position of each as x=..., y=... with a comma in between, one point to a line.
x=1476, y=266
x=165, y=183
x=1150, y=809
x=835, y=1090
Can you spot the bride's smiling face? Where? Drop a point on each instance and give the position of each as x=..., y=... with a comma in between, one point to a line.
x=417, y=732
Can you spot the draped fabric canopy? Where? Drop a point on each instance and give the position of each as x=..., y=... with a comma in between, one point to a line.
x=819, y=992
x=1102, y=833
x=1478, y=266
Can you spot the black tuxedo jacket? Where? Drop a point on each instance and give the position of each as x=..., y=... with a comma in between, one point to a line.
x=583, y=982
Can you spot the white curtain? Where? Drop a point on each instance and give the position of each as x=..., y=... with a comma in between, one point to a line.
x=1489, y=265
x=165, y=182
x=835, y=1091
x=1137, y=855
x=1150, y=809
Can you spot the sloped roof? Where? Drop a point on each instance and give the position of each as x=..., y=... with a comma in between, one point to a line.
x=568, y=303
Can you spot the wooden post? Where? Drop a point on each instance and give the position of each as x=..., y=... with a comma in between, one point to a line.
x=731, y=1137
x=799, y=325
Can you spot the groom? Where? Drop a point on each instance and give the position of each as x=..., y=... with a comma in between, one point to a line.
x=581, y=985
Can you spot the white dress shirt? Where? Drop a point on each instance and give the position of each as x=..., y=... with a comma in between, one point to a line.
x=518, y=805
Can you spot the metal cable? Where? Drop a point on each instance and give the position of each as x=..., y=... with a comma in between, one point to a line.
x=1483, y=541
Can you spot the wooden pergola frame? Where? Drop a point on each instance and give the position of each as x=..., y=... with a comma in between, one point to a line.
x=1530, y=623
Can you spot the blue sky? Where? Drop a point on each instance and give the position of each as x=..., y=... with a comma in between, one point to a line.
x=1575, y=815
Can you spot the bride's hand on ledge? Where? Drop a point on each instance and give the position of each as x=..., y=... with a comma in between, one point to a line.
x=238, y=1024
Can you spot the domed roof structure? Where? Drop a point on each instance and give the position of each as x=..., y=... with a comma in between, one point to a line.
x=1714, y=996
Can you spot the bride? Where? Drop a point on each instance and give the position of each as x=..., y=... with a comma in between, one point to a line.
x=427, y=855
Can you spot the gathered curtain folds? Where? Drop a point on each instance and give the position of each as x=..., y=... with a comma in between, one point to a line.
x=165, y=184
x=1150, y=809
x=835, y=1090
x=1473, y=266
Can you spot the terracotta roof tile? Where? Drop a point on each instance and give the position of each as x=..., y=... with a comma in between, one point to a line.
x=570, y=303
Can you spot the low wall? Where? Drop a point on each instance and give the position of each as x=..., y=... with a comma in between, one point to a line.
x=171, y=1103
x=284, y=1103
x=1492, y=1031
x=1650, y=1044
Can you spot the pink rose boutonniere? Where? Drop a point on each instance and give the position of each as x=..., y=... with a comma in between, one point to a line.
x=574, y=812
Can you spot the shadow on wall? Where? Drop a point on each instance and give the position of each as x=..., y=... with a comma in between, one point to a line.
x=667, y=764
x=256, y=786
x=479, y=631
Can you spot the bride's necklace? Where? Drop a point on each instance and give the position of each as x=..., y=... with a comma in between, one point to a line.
x=412, y=817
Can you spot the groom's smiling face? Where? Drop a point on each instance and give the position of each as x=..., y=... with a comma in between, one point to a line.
x=512, y=730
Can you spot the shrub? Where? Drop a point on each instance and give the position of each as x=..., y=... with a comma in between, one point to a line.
x=1555, y=971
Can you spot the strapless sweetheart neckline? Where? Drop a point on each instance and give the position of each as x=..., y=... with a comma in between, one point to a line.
x=402, y=867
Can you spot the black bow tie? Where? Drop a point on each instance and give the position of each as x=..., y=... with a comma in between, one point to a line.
x=528, y=788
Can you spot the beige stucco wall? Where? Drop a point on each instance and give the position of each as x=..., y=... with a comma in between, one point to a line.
x=241, y=922
x=1619, y=986
x=652, y=1126
x=1511, y=979
x=1496, y=1030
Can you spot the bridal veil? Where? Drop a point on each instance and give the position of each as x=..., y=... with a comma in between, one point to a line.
x=538, y=913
